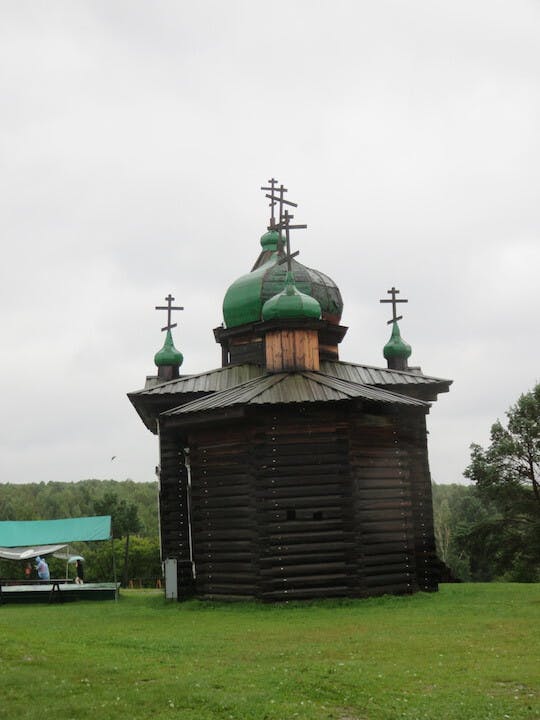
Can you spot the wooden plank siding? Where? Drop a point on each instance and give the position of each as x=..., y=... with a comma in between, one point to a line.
x=292, y=349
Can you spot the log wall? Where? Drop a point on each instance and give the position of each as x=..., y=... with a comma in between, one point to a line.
x=412, y=437
x=174, y=508
x=304, y=509
x=383, y=509
x=223, y=512
x=304, y=501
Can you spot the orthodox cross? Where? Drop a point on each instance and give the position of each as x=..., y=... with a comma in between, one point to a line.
x=169, y=308
x=276, y=197
x=285, y=225
x=273, y=201
x=393, y=292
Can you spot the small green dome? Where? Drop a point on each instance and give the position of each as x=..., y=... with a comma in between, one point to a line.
x=291, y=304
x=270, y=240
x=168, y=355
x=396, y=347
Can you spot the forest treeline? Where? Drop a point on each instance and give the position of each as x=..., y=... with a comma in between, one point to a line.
x=48, y=501
x=461, y=514
x=133, y=507
x=480, y=541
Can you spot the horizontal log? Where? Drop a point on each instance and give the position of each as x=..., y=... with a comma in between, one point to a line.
x=390, y=584
x=208, y=500
x=315, y=527
x=402, y=570
x=316, y=531
x=274, y=480
x=364, y=483
x=286, y=559
x=272, y=471
x=383, y=559
x=272, y=550
x=276, y=501
x=306, y=593
x=202, y=521
x=307, y=581
x=225, y=588
x=368, y=518
x=328, y=569
x=218, y=555
x=209, y=532
x=339, y=489
x=376, y=538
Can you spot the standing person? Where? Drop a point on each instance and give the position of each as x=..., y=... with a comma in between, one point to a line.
x=28, y=571
x=42, y=569
x=80, y=573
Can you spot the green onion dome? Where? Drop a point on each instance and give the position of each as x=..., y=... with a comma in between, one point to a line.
x=270, y=240
x=168, y=355
x=396, y=347
x=246, y=296
x=291, y=304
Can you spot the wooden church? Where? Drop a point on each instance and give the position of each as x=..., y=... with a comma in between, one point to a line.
x=287, y=473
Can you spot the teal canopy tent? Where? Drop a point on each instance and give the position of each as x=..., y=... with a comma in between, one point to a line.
x=26, y=533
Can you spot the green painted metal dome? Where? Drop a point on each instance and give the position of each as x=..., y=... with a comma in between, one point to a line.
x=291, y=304
x=270, y=240
x=168, y=355
x=244, y=300
x=396, y=347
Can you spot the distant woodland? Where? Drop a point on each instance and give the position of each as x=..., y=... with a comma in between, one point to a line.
x=47, y=501
x=474, y=533
x=133, y=507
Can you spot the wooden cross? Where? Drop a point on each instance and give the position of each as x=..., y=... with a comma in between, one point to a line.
x=393, y=292
x=273, y=201
x=169, y=308
x=277, y=197
x=285, y=225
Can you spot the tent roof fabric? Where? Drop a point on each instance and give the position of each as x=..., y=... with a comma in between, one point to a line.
x=25, y=533
x=28, y=553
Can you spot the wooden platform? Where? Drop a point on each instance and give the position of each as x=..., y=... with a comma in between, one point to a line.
x=51, y=592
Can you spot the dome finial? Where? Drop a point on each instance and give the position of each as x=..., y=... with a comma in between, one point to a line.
x=168, y=359
x=396, y=351
x=168, y=356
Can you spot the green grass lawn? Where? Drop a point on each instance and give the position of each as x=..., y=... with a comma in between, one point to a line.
x=469, y=652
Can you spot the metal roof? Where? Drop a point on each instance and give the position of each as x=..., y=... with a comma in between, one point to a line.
x=300, y=387
x=233, y=375
x=369, y=375
x=210, y=381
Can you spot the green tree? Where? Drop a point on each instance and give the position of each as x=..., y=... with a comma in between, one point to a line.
x=507, y=474
x=125, y=522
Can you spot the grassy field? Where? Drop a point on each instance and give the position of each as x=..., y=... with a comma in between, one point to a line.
x=469, y=652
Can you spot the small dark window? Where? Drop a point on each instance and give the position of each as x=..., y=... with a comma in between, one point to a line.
x=317, y=515
x=291, y=514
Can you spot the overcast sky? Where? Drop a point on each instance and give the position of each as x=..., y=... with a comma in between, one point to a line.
x=134, y=137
